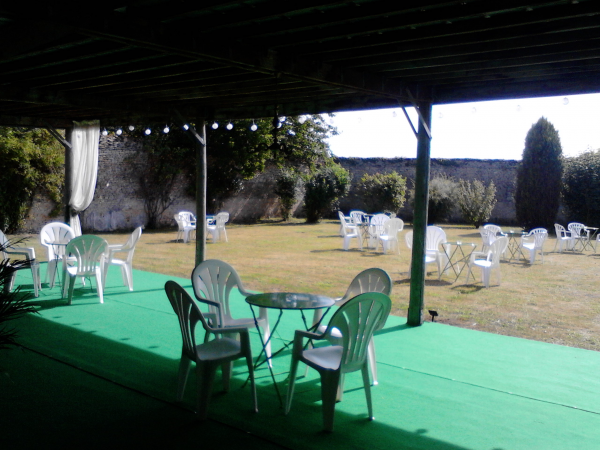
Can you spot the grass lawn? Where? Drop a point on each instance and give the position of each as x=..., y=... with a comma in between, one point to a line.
x=557, y=302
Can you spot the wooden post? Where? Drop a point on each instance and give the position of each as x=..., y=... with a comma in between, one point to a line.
x=417, y=279
x=201, y=192
x=68, y=175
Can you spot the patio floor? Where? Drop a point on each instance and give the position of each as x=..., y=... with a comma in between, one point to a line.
x=90, y=373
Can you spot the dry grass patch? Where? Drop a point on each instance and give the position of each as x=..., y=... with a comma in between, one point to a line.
x=557, y=302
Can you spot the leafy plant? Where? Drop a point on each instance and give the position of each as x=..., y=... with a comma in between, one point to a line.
x=383, y=192
x=323, y=189
x=581, y=187
x=31, y=161
x=476, y=201
x=12, y=304
x=442, y=198
x=287, y=187
x=539, y=177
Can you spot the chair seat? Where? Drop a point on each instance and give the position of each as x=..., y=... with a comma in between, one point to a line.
x=328, y=357
x=482, y=263
x=218, y=349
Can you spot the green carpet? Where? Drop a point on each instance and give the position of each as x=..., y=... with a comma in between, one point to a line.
x=440, y=387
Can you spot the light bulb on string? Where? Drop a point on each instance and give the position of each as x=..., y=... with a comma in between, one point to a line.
x=229, y=126
x=186, y=126
x=105, y=132
x=147, y=131
x=215, y=125
x=131, y=128
x=166, y=129
x=253, y=127
x=119, y=131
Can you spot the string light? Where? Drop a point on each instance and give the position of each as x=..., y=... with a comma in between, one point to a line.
x=105, y=132
x=119, y=131
x=229, y=126
x=215, y=125
x=148, y=131
x=166, y=129
x=131, y=128
x=186, y=126
x=253, y=127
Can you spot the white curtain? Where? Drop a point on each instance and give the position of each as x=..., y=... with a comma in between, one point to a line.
x=84, y=169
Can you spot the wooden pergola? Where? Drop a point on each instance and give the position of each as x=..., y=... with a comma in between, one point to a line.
x=157, y=62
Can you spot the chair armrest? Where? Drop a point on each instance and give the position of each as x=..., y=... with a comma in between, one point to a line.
x=208, y=302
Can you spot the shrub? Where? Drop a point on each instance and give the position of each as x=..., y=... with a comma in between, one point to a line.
x=383, y=192
x=323, y=189
x=442, y=198
x=476, y=201
x=581, y=187
x=539, y=177
x=287, y=187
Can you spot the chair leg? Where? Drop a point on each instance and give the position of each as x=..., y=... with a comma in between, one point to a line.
x=99, y=284
x=486, y=277
x=372, y=361
x=35, y=274
x=366, y=384
x=205, y=372
x=250, y=365
x=226, y=369
x=329, y=388
x=127, y=276
x=71, y=288
x=184, y=370
x=291, y=384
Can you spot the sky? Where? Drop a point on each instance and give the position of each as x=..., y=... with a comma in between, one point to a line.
x=481, y=130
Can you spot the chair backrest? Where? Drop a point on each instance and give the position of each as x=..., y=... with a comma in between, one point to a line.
x=369, y=280
x=435, y=237
x=488, y=236
x=377, y=221
x=539, y=236
x=89, y=251
x=188, y=313
x=221, y=219
x=576, y=228
x=392, y=226
x=131, y=243
x=493, y=228
x=343, y=223
x=408, y=237
x=560, y=230
x=357, y=320
x=214, y=280
x=497, y=248
x=358, y=217
x=56, y=233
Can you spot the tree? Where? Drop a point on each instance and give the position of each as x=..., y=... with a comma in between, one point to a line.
x=31, y=160
x=539, y=177
x=383, y=192
x=442, y=198
x=323, y=189
x=287, y=188
x=476, y=201
x=581, y=187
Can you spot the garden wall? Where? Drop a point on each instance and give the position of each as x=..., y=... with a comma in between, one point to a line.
x=117, y=204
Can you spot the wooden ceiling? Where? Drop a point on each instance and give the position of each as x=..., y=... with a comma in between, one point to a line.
x=140, y=61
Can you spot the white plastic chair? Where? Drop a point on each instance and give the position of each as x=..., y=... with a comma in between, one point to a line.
x=89, y=252
x=534, y=243
x=376, y=228
x=369, y=280
x=55, y=236
x=359, y=217
x=408, y=237
x=125, y=264
x=217, y=231
x=349, y=232
x=497, y=230
x=216, y=281
x=347, y=220
x=489, y=260
x=209, y=355
x=355, y=322
x=487, y=238
x=563, y=238
x=22, y=253
x=186, y=226
x=389, y=236
x=578, y=234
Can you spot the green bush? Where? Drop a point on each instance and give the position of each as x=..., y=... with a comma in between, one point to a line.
x=442, y=198
x=323, y=189
x=539, y=177
x=383, y=192
x=287, y=188
x=476, y=201
x=581, y=187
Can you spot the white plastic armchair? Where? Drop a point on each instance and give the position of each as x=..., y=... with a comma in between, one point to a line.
x=124, y=264
x=186, y=227
x=376, y=228
x=497, y=230
x=217, y=230
x=358, y=217
x=489, y=260
x=209, y=355
x=55, y=236
x=349, y=232
x=563, y=238
x=534, y=243
x=356, y=321
x=389, y=236
x=487, y=238
x=435, y=238
x=218, y=282
x=369, y=280
x=25, y=254
x=89, y=252
x=578, y=233
x=408, y=237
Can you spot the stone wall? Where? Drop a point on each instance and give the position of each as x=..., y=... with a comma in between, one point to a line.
x=118, y=206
